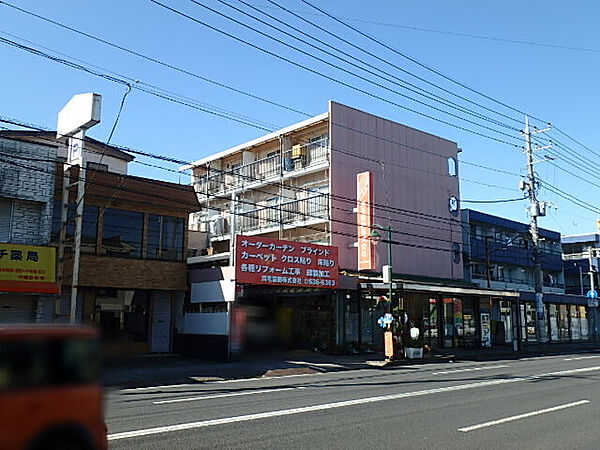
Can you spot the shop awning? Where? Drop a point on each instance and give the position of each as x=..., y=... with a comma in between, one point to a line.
x=439, y=289
x=565, y=299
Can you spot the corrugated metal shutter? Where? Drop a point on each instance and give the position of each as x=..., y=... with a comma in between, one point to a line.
x=17, y=309
x=160, y=340
x=5, y=216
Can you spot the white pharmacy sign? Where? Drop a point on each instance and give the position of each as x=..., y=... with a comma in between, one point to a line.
x=75, y=156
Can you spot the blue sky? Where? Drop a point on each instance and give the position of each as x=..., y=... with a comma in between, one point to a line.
x=558, y=85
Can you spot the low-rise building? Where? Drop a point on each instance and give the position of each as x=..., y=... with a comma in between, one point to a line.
x=132, y=270
x=315, y=182
x=27, y=261
x=498, y=254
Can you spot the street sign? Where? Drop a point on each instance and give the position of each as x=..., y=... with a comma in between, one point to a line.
x=592, y=294
x=389, y=343
x=592, y=303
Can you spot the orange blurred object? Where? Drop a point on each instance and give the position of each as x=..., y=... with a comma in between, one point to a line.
x=50, y=392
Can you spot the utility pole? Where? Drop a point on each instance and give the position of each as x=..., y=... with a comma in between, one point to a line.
x=591, y=273
x=488, y=265
x=536, y=209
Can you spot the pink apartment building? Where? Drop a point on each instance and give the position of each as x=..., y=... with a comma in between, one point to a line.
x=299, y=184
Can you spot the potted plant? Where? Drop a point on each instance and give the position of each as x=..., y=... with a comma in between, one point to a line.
x=414, y=346
x=414, y=349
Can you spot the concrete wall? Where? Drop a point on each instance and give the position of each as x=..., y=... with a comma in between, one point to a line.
x=213, y=291
x=206, y=323
x=94, y=155
x=29, y=185
x=412, y=188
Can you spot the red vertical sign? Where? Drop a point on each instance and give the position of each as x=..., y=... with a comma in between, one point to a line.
x=364, y=220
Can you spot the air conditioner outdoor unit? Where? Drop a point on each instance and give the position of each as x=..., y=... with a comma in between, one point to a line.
x=229, y=180
x=217, y=225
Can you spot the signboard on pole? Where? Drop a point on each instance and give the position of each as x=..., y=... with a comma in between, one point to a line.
x=389, y=343
x=261, y=260
x=592, y=297
x=364, y=220
x=80, y=113
x=486, y=331
x=75, y=154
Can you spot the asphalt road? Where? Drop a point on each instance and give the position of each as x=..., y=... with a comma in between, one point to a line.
x=550, y=402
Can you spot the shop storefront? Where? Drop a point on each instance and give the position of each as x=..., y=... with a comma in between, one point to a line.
x=568, y=322
x=568, y=318
x=27, y=283
x=447, y=317
x=284, y=318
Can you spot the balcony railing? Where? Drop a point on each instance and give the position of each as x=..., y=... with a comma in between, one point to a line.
x=315, y=207
x=518, y=280
x=309, y=155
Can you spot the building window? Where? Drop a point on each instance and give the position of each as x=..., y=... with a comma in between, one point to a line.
x=89, y=226
x=122, y=233
x=452, y=167
x=165, y=238
x=98, y=167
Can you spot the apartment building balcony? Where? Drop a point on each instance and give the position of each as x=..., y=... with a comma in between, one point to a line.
x=300, y=160
x=511, y=283
x=291, y=214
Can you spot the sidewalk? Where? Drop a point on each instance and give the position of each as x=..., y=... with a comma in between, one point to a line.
x=148, y=370
x=152, y=370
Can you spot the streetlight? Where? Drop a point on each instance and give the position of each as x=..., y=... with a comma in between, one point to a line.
x=386, y=270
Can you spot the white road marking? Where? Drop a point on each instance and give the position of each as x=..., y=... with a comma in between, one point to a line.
x=237, y=380
x=342, y=404
x=471, y=369
x=581, y=357
x=306, y=363
x=272, y=378
x=232, y=394
x=522, y=416
x=151, y=388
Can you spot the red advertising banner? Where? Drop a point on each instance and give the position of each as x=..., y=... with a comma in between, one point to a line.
x=364, y=220
x=261, y=260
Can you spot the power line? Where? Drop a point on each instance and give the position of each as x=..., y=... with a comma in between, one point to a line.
x=330, y=78
x=156, y=60
x=493, y=201
x=336, y=220
x=395, y=80
x=415, y=61
x=88, y=35
x=253, y=203
x=424, y=80
x=414, y=214
x=119, y=187
x=456, y=33
x=311, y=55
x=136, y=84
x=275, y=221
x=301, y=189
x=110, y=78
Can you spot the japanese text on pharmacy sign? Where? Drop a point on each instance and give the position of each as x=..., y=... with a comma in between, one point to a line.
x=262, y=260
